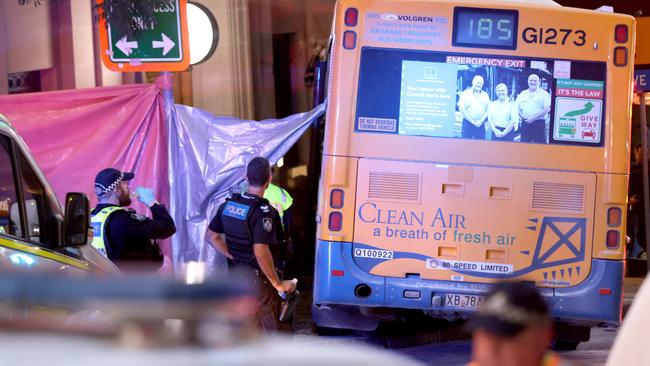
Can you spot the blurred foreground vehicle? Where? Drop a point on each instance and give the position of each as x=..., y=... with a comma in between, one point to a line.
x=35, y=235
x=145, y=320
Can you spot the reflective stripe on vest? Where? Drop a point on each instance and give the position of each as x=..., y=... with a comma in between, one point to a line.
x=98, y=222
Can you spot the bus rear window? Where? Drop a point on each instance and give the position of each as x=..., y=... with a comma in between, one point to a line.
x=533, y=100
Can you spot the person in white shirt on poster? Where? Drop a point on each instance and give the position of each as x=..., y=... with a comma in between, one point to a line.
x=473, y=105
x=533, y=106
x=500, y=115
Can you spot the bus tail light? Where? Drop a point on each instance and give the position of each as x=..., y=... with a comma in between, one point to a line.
x=351, y=17
x=613, y=239
x=336, y=198
x=614, y=216
x=620, y=56
x=335, y=222
x=605, y=291
x=349, y=40
x=620, y=33
x=338, y=273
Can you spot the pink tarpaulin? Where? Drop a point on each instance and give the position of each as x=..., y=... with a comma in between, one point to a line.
x=73, y=134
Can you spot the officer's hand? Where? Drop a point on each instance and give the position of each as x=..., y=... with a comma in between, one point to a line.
x=145, y=195
x=288, y=286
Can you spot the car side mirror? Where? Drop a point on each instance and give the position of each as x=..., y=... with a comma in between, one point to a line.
x=77, y=217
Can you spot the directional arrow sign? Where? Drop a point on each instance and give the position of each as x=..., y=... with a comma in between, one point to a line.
x=166, y=44
x=160, y=46
x=125, y=46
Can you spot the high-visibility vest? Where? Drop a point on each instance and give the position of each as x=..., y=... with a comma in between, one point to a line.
x=98, y=222
x=278, y=198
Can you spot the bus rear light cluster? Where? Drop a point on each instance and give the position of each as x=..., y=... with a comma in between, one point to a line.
x=613, y=239
x=620, y=33
x=349, y=40
x=614, y=216
x=351, y=17
x=336, y=198
x=335, y=222
x=614, y=219
x=620, y=56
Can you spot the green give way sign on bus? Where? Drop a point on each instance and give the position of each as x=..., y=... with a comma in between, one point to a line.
x=159, y=46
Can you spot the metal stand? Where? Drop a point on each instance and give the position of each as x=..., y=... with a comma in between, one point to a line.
x=646, y=181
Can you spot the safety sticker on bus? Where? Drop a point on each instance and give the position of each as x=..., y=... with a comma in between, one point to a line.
x=377, y=124
x=483, y=267
x=373, y=253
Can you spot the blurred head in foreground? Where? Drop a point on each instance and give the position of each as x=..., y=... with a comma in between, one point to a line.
x=511, y=327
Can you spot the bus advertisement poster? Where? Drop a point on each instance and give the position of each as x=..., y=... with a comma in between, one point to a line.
x=484, y=98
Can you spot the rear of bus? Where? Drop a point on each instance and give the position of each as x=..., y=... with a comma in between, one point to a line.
x=416, y=212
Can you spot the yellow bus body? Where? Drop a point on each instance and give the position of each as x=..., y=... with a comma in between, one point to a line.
x=424, y=213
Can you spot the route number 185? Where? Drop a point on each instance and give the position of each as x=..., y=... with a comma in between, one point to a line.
x=487, y=28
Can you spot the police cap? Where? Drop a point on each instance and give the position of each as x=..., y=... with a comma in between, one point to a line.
x=108, y=179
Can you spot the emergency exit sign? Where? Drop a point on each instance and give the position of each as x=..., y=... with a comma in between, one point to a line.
x=162, y=45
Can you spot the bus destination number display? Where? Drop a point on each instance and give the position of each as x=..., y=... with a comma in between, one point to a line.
x=492, y=28
x=485, y=28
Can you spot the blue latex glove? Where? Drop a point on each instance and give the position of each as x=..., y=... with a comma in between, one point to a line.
x=145, y=195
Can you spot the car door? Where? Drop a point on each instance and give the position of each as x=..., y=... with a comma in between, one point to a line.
x=26, y=212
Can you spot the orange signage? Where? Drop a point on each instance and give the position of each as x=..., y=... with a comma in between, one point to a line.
x=162, y=45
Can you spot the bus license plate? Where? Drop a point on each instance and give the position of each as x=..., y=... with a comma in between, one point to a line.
x=463, y=301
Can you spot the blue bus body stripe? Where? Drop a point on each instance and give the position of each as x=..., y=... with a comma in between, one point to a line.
x=571, y=303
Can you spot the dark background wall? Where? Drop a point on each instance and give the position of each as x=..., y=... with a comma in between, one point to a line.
x=620, y=6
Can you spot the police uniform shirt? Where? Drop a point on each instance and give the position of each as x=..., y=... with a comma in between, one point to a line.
x=261, y=223
x=128, y=232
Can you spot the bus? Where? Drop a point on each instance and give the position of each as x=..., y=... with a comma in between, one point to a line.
x=468, y=143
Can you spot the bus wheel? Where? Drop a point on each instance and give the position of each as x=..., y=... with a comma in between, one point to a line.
x=568, y=337
x=325, y=331
x=565, y=345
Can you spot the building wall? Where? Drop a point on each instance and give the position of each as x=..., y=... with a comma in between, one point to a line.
x=306, y=25
x=103, y=76
x=4, y=53
x=642, y=43
x=27, y=28
x=82, y=43
x=261, y=35
x=59, y=39
x=223, y=84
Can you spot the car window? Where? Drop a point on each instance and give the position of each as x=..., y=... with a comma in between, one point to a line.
x=36, y=209
x=9, y=214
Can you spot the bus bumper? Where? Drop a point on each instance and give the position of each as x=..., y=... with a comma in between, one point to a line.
x=340, y=285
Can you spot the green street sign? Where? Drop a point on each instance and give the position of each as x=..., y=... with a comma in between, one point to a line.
x=162, y=46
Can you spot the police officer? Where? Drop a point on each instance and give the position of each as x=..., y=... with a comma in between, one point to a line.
x=281, y=200
x=120, y=233
x=249, y=224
